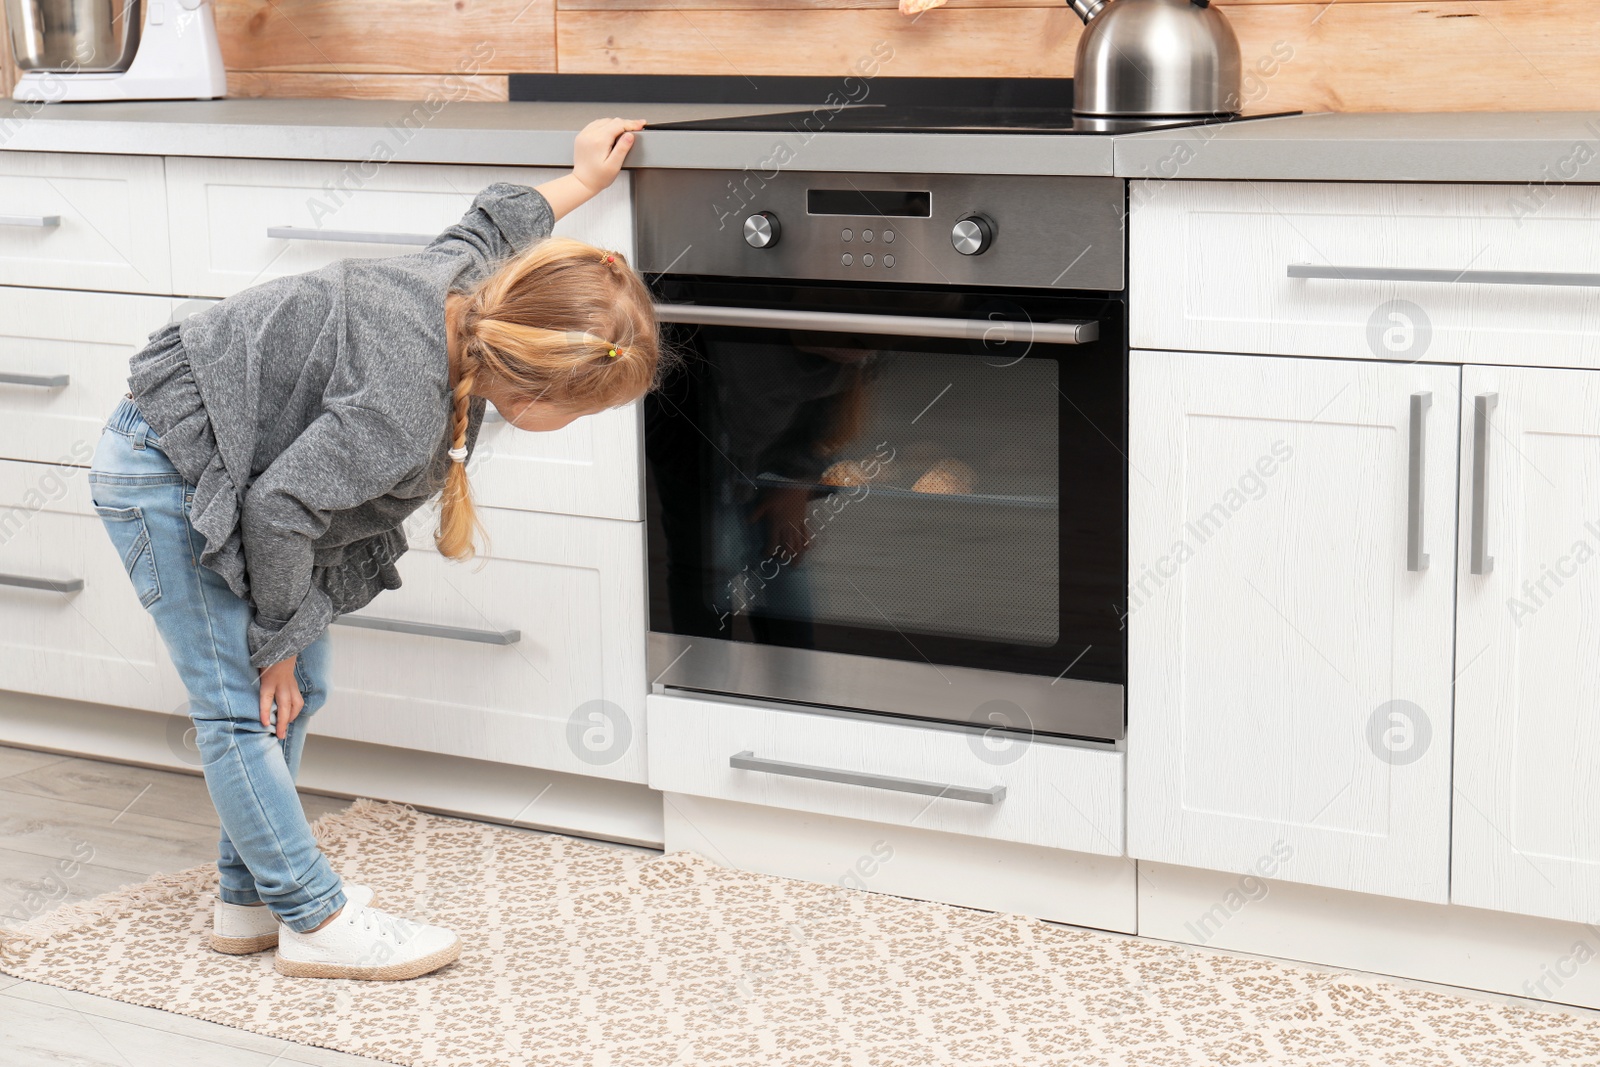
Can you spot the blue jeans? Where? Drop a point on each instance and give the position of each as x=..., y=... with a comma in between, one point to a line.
x=266, y=853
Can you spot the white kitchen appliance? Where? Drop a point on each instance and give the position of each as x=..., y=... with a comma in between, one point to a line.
x=115, y=50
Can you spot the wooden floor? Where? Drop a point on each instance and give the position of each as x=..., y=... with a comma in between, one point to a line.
x=141, y=822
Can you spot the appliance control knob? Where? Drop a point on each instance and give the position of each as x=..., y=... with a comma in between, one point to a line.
x=761, y=230
x=972, y=235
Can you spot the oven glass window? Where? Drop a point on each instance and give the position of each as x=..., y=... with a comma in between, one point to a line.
x=943, y=501
x=876, y=488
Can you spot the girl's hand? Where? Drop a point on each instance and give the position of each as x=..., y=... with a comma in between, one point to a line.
x=278, y=685
x=598, y=152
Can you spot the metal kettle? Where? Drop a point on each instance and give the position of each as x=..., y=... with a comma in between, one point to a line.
x=1155, y=58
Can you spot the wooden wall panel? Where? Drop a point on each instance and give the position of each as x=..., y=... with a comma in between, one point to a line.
x=1351, y=56
x=388, y=36
x=368, y=86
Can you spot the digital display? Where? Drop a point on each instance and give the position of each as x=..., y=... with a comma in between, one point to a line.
x=890, y=203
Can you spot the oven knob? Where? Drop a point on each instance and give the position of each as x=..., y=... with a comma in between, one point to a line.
x=761, y=230
x=972, y=235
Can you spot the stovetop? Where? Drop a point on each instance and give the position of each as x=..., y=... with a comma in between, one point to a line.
x=916, y=118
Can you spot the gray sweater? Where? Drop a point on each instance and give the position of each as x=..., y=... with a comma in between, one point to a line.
x=312, y=415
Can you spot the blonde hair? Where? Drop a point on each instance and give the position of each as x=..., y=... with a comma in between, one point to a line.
x=565, y=323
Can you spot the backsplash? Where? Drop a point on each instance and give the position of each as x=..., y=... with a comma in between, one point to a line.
x=1349, y=55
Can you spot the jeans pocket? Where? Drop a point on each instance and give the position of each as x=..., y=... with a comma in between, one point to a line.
x=132, y=539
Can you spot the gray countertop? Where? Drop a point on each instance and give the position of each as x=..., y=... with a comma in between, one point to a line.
x=1477, y=147
x=516, y=134
x=1555, y=146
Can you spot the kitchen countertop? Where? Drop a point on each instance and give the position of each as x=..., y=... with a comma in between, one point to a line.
x=1553, y=146
x=1467, y=146
x=518, y=134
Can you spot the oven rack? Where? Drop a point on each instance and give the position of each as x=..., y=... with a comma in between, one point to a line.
x=894, y=492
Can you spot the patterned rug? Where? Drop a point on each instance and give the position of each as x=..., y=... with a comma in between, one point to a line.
x=578, y=954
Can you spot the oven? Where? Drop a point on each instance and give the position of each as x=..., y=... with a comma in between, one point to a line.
x=889, y=474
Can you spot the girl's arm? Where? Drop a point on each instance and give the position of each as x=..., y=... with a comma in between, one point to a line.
x=597, y=157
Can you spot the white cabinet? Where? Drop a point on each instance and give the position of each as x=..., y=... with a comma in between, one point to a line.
x=593, y=466
x=1410, y=271
x=1527, y=776
x=532, y=654
x=63, y=364
x=1289, y=680
x=71, y=622
x=236, y=222
x=1038, y=793
x=83, y=222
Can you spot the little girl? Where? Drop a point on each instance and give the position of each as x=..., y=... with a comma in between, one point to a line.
x=255, y=478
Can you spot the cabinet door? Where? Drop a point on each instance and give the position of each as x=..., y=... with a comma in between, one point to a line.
x=63, y=365
x=71, y=624
x=1288, y=669
x=1527, y=782
x=236, y=222
x=74, y=221
x=531, y=654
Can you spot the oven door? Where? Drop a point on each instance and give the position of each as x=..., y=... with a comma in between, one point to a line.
x=906, y=502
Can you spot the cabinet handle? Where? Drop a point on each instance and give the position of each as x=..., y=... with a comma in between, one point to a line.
x=304, y=233
x=1416, y=558
x=44, y=222
x=1464, y=277
x=431, y=629
x=749, y=761
x=27, y=581
x=43, y=381
x=1482, y=404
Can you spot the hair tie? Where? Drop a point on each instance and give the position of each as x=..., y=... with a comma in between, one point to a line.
x=612, y=353
x=608, y=257
x=459, y=455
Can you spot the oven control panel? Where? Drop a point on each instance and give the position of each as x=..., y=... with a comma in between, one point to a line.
x=940, y=229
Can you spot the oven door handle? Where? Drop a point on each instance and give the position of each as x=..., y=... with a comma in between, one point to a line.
x=1060, y=332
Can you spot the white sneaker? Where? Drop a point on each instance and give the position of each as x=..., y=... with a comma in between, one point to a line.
x=240, y=929
x=364, y=942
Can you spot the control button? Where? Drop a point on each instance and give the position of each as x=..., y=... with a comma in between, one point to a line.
x=845, y=259
x=866, y=235
x=888, y=261
x=972, y=235
x=888, y=237
x=866, y=260
x=846, y=235
x=761, y=230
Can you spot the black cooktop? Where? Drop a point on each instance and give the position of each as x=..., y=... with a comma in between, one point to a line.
x=916, y=118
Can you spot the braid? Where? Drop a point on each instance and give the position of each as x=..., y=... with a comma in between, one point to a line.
x=458, y=518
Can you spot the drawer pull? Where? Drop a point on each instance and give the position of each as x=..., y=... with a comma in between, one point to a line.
x=1482, y=404
x=1466, y=277
x=303, y=233
x=430, y=629
x=27, y=581
x=1416, y=558
x=749, y=761
x=43, y=381
x=43, y=222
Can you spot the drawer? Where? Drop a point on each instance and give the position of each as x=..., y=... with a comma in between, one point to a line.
x=88, y=638
x=532, y=656
x=1368, y=271
x=222, y=210
x=1055, y=795
x=590, y=467
x=64, y=364
x=83, y=222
